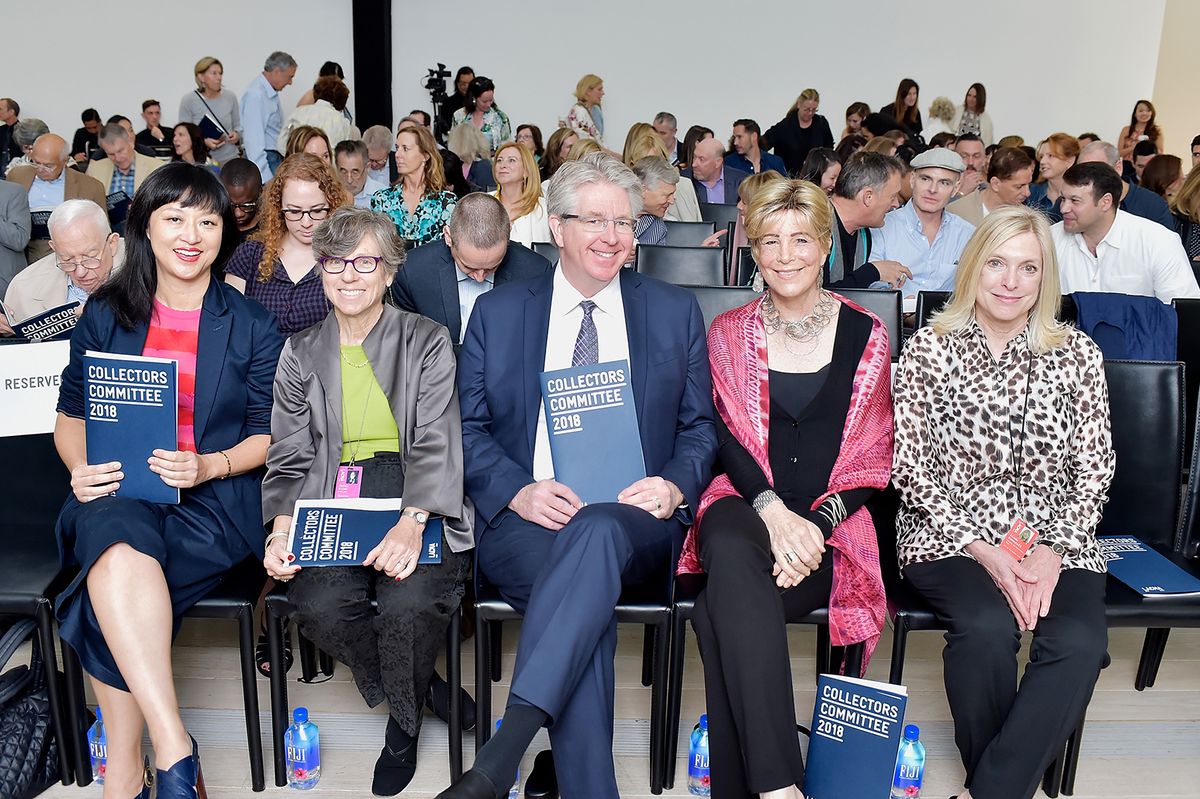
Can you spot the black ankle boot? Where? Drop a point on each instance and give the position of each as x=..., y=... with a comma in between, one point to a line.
x=397, y=761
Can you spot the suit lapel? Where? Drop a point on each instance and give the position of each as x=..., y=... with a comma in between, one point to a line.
x=448, y=281
x=537, y=323
x=327, y=360
x=213, y=343
x=636, y=323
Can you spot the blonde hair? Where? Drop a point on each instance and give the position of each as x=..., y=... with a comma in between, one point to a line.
x=531, y=185
x=583, y=147
x=1187, y=199
x=806, y=95
x=774, y=197
x=642, y=141
x=881, y=144
x=748, y=188
x=467, y=142
x=1045, y=331
x=942, y=108
x=202, y=66
x=585, y=85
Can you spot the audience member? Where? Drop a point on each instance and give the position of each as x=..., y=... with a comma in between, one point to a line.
x=26, y=132
x=1009, y=175
x=530, y=137
x=884, y=145
x=964, y=483
x=971, y=150
x=481, y=111
x=1143, y=152
x=922, y=234
x=85, y=139
x=188, y=141
x=85, y=252
x=579, y=557
x=142, y=565
x=307, y=139
x=10, y=115
x=1141, y=128
x=1012, y=141
x=48, y=182
x=127, y=124
x=1101, y=248
x=867, y=188
x=694, y=134
x=855, y=114
x=1195, y=152
x=557, y=148
x=421, y=117
x=351, y=159
x=659, y=181
x=124, y=170
x=801, y=381
x=324, y=113
x=277, y=266
x=330, y=69
x=1056, y=155
x=904, y=109
x=474, y=255
x=971, y=117
x=644, y=141
x=262, y=117
x=747, y=153
x=519, y=190
x=714, y=180
x=1186, y=206
x=884, y=124
x=822, y=167
x=15, y=225
x=666, y=126
x=155, y=135
x=472, y=148
x=243, y=182
x=1087, y=138
x=585, y=147
x=462, y=79
x=210, y=99
x=380, y=164
x=586, y=117
x=1136, y=200
x=408, y=441
x=943, y=139
x=941, y=117
x=800, y=130
x=849, y=146
x=747, y=191
x=417, y=202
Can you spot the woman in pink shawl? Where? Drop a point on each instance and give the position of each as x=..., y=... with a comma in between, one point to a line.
x=801, y=382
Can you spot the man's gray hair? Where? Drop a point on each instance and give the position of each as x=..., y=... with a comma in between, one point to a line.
x=479, y=220
x=278, y=60
x=377, y=136
x=562, y=195
x=666, y=118
x=866, y=170
x=27, y=131
x=113, y=132
x=339, y=235
x=75, y=213
x=1111, y=156
x=653, y=170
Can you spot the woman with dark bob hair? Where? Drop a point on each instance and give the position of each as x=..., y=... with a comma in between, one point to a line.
x=143, y=564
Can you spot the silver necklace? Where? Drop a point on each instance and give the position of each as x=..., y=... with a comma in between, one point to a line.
x=807, y=327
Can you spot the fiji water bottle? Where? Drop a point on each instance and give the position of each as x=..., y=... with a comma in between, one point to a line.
x=910, y=765
x=515, y=791
x=98, y=747
x=698, y=781
x=303, y=745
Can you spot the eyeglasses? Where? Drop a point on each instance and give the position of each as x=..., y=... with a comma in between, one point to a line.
x=248, y=207
x=377, y=163
x=71, y=267
x=595, y=224
x=315, y=214
x=363, y=264
x=38, y=165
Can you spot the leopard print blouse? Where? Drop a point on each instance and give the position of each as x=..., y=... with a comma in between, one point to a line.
x=959, y=417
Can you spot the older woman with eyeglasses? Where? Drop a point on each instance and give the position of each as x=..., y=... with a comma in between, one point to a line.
x=276, y=265
x=391, y=375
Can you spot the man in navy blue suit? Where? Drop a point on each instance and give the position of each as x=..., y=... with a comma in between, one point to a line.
x=562, y=564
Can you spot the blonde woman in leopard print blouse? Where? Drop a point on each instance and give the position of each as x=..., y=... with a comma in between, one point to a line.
x=1002, y=414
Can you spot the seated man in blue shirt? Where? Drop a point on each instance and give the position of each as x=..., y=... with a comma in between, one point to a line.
x=922, y=234
x=747, y=155
x=1134, y=199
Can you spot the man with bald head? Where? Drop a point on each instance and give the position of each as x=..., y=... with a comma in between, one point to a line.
x=1134, y=199
x=715, y=181
x=49, y=183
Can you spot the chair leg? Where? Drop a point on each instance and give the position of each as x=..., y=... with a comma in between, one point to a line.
x=454, y=678
x=246, y=644
x=496, y=635
x=674, y=691
x=823, y=651
x=483, y=680
x=853, y=655
x=54, y=687
x=1160, y=649
x=1071, y=767
x=658, y=703
x=279, y=700
x=648, y=647
x=309, y=658
x=899, y=642
x=76, y=735
x=325, y=662
x=1149, y=644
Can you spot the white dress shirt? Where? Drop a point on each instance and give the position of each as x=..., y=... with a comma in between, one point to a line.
x=470, y=290
x=1136, y=256
x=565, y=318
x=534, y=226
x=370, y=186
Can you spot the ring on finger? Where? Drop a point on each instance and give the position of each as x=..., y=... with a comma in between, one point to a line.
x=789, y=556
x=657, y=504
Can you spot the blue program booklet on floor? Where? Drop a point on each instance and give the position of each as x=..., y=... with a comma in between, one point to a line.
x=593, y=429
x=132, y=409
x=340, y=532
x=856, y=730
x=1145, y=570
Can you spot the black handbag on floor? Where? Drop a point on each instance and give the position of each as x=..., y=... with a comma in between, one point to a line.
x=28, y=747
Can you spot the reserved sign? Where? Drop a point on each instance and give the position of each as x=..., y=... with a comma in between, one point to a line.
x=29, y=378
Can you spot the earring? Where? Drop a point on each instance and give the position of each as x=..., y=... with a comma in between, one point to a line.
x=757, y=283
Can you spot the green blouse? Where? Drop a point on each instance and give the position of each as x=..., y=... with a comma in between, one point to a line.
x=368, y=425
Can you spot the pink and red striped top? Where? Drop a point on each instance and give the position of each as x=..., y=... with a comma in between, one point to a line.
x=175, y=334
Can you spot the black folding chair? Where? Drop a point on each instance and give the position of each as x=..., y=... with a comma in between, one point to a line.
x=547, y=250
x=716, y=300
x=720, y=214
x=688, y=234
x=929, y=303
x=886, y=304
x=744, y=267
x=683, y=266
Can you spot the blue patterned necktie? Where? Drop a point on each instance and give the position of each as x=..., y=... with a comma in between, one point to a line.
x=587, y=345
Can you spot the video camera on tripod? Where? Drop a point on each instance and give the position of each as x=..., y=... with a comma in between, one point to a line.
x=435, y=84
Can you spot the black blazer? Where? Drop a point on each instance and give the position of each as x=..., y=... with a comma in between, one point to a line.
x=428, y=283
x=733, y=179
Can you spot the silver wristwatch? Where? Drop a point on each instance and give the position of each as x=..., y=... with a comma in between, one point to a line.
x=418, y=516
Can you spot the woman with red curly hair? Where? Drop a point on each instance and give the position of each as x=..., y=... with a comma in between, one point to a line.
x=276, y=266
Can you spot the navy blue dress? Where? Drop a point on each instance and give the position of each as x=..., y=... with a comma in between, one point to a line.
x=217, y=524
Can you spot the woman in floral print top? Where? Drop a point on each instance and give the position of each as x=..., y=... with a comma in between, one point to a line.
x=418, y=202
x=1001, y=417
x=480, y=110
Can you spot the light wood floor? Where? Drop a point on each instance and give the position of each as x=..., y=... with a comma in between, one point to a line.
x=1136, y=745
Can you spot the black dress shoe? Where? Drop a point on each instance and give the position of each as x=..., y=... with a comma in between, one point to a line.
x=473, y=785
x=397, y=762
x=543, y=780
x=438, y=700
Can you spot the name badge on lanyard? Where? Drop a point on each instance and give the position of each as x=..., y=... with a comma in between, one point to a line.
x=349, y=482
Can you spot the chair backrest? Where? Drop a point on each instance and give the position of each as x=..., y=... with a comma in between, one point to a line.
x=547, y=250
x=1146, y=409
x=1187, y=350
x=929, y=303
x=886, y=304
x=683, y=266
x=716, y=300
x=720, y=214
x=34, y=487
x=688, y=234
x=745, y=267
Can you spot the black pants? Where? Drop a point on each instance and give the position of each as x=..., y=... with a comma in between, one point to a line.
x=1007, y=734
x=740, y=622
